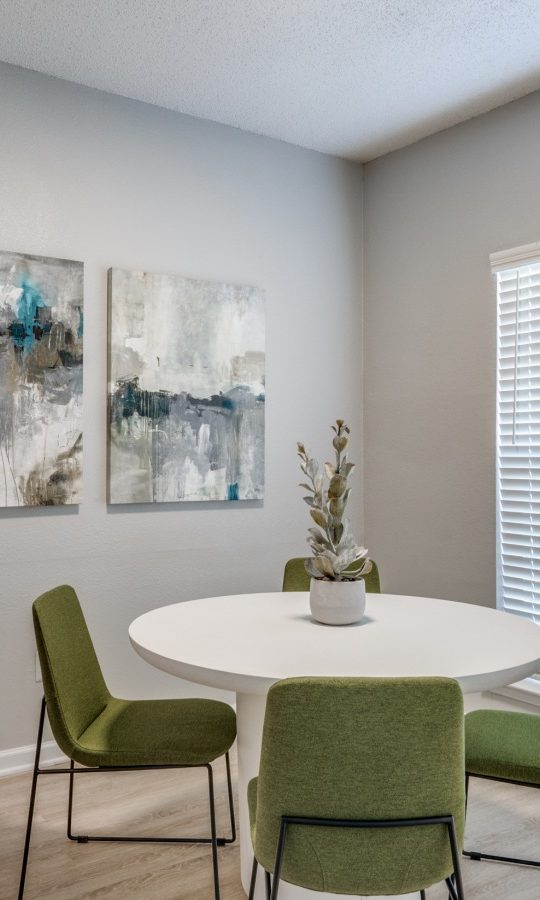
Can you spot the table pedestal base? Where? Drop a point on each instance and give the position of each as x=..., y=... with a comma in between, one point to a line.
x=250, y=717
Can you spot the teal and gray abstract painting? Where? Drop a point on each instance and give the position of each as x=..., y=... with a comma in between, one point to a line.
x=186, y=389
x=41, y=359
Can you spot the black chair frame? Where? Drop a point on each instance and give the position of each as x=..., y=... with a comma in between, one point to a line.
x=214, y=840
x=477, y=854
x=454, y=883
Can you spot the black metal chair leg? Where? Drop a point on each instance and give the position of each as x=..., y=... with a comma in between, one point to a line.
x=515, y=860
x=70, y=834
x=32, y=800
x=231, y=802
x=85, y=838
x=456, y=881
x=422, y=895
x=253, y=881
x=478, y=855
x=72, y=771
x=451, y=889
x=214, y=832
x=279, y=859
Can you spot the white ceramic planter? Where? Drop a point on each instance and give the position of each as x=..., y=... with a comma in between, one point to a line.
x=337, y=602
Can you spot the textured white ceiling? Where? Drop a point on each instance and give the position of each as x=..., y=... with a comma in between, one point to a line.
x=355, y=78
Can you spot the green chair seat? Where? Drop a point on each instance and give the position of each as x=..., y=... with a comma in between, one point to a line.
x=295, y=577
x=503, y=745
x=157, y=733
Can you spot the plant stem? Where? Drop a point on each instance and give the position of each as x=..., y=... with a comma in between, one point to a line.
x=338, y=472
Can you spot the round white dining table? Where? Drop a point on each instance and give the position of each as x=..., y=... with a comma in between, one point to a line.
x=247, y=642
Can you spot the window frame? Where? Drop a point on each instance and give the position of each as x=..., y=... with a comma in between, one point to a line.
x=515, y=260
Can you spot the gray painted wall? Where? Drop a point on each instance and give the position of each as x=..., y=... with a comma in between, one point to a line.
x=109, y=181
x=433, y=214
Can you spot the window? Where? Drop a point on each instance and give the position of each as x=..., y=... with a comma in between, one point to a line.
x=518, y=430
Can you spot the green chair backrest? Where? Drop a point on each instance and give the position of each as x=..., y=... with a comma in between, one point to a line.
x=361, y=748
x=74, y=687
x=295, y=577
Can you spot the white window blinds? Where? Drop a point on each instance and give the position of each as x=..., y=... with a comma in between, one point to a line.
x=518, y=430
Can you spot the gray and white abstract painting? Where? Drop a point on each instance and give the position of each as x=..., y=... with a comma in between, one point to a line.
x=186, y=389
x=41, y=364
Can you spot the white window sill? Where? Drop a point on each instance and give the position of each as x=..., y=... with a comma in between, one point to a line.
x=527, y=691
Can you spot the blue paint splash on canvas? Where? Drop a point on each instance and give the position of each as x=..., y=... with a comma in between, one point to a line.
x=29, y=302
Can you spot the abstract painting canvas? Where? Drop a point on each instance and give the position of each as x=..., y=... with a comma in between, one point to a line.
x=186, y=389
x=41, y=360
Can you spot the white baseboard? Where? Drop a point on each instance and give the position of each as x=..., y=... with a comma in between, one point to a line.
x=21, y=759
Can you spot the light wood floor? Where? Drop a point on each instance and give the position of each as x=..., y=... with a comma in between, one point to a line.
x=504, y=818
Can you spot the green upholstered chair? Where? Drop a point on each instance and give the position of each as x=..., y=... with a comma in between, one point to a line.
x=361, y=786
x=102, y=733
x=295, y=577
x=502, y=746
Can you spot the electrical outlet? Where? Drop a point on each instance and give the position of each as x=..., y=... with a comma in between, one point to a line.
x=38, y=669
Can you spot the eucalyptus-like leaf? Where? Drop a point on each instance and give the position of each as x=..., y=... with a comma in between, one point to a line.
x=331, y=556
x=346, y=541
x=349, y=575
x=319, y=517
x=345, y=546
x=336, y=507
x=359, y=571
x=340, y=442
x=346, y=469
x=312, y=467
x=317, y=545
x=317, y=535
x=329, y=469
x=318, y=539
x=309, y=500
x=346, y=558
x=311, y=568
x=324, y=566
x=318, y=481
x=337, y=486
x=301, y=449
x=317, y=550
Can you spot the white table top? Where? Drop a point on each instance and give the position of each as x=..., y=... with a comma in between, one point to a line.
x=246, y=642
